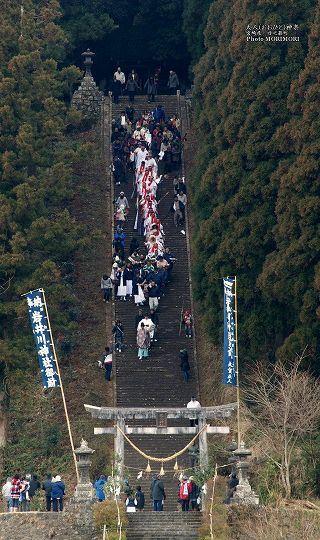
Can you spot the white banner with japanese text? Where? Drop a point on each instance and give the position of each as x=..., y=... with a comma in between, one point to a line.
x=229, y=350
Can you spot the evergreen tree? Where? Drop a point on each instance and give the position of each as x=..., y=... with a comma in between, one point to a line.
x=195, y=15
x=37, y=236
x=291, y=273
x=241, y=92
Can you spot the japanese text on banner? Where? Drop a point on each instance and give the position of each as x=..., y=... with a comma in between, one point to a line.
x=229, y=349
x=43, y=339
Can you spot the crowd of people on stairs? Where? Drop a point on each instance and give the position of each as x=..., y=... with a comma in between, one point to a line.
x=142, y=147
x=145, y=148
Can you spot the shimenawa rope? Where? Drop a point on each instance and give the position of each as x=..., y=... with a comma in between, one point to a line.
x=162, y=459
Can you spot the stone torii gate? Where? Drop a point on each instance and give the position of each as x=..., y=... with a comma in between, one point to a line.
x=160, y=416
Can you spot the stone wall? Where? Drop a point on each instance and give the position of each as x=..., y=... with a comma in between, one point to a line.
x=73, y=524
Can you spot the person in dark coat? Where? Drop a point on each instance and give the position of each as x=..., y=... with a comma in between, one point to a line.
x=132, y=87
x=117, y=149
x=118, y=170
x=232, y=484
x=128, y=276
x=157, y=493
x=150, y=88
x=107, y=363
x=139, y=497
x=47, y=487
x=184, y=364
x=173, y=82
x=170, y=260
x=116, y=90
x=194, y=494
x=57, y=493
x=134, y=245
x=118, y=333
x=139, y=318
x=179, y=185
x=34, y=486
x=130, y=113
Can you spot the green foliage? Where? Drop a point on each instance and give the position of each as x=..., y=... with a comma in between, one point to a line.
x=106, y=513
x=88, y=20
x=144, y=31
x=195, y=15
x=37, y=503
x=255, y=186
x=39, y=236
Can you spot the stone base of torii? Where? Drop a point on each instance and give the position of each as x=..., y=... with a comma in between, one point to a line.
x=160, y=416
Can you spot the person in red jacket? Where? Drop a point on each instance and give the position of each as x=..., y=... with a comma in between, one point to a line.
x=184, y=493
x=16, y=486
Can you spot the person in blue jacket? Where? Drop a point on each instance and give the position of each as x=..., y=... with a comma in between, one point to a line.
x=159, y=114
x=99, y=485
x=57, y=493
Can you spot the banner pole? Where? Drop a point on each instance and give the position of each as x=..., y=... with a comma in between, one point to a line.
x=237, y=359
x=61, y=387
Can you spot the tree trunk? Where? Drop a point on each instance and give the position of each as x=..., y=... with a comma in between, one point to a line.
x=287, y=471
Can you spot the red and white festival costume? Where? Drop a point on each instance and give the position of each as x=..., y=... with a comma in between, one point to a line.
x=147, y=182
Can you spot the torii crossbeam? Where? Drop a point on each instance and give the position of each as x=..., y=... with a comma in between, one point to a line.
x=161, y=415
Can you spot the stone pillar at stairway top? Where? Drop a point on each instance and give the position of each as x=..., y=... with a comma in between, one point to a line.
x=88, y=98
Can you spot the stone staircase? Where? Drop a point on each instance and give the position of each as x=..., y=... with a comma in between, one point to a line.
x=157, y=381
x=140, y=104
x=163, y=526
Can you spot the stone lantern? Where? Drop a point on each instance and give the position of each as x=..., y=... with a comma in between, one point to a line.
x=232, y=446
x=88, y=98
x=84, y=490
x=243, y=493
x=88, y=62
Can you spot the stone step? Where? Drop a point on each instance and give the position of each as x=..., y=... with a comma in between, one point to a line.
x=163, y=526
x=159, y=536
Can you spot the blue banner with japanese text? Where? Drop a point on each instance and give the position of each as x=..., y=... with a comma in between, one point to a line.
x=229, y=349
x=43, y=338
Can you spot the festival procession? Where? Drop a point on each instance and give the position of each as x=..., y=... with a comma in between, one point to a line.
x=146, y=156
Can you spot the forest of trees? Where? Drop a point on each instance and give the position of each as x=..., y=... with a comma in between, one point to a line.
x=142, y=34
x=38, y=234
x=255, y=188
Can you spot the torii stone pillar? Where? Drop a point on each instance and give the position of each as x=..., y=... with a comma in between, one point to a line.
x=119, y=445
x=203, y=443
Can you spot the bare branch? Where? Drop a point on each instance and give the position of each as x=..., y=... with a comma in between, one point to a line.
x=284, y=407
